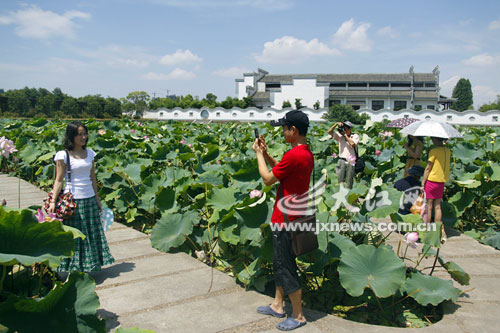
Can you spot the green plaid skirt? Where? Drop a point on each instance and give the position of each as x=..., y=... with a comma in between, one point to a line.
x=92, y=252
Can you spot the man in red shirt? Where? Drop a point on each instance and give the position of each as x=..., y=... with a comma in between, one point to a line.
x=294, y=173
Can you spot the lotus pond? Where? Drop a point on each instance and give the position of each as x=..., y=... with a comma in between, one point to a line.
x=189, y=186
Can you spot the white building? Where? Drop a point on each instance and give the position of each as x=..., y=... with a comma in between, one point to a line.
x=410, y=90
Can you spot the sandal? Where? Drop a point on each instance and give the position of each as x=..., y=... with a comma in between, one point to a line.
x=268, y=311
x=290, y=324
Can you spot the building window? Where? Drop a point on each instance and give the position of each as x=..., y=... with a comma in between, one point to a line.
x=273, y=85
x=399, y=105
x=356, y=104
x=418, y=85
x=377, y=105
x=406, y=116
x=418, y=107
x=338, y=85
x=334, y=102
x=161, y=114
x=430, y=85
x=269, y=115
x=204, y=114
x=379, y=85
x=472, y=118
x=191, y=114
x=400, y=85
x=234, y=114
x=251, y=114
x=357, y=85
x=428, y=118
x=217, y=114
x=176, y=114
x=385, y=117
x=495, y=118
x=449, y=118
x=430, y=107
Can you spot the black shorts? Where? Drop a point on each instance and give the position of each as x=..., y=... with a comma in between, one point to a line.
x=284, y=265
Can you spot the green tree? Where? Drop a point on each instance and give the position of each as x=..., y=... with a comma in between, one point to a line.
x=491, y=106
x=228, y=103
x=19, y=103
x=286, y=104
x=463, y=93
x=298, y=104
x=248, y=102
x=342, y=112
x=140, y=101
x=316, y=105
x=210, y=101
x=45, y=105
x=112, y=108
x=70, y=107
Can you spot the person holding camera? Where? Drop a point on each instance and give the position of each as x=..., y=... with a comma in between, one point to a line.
x=293, y=173
x=348, y=143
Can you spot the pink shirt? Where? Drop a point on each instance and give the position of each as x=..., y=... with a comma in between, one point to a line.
x=345, y=149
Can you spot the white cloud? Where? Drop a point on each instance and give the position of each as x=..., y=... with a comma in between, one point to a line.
x=232, y=72
x=119, y=56
x=288, y=49
x=267, y=5
x=494, y=25
x=448, y=85
x=484, y=94
x=176, y=74
x=33, y=22
x=387, y=31
x=482, y=60
x=352, y=37
x=180, y=57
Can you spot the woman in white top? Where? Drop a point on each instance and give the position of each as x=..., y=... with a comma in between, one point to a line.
x=348, y=143
x=92, y=252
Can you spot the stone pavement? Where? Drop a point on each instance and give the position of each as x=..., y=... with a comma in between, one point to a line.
x=166, y=292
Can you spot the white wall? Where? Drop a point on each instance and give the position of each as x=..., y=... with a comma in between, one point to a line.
x=305, y=89
x=242, y=86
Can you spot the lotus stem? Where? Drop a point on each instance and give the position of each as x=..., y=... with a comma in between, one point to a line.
x=402, y=299
x=423, y=256
x=4, y=273
x=192, y=243
x=378, y=301
x=399, y=246
x=18, y=192
x=435, y=260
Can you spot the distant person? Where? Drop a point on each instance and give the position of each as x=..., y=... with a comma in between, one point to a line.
x=436, y=174
x=294, y=174
x=414, y=146
x=92, y=252
x=410, y=185
x=348, y=143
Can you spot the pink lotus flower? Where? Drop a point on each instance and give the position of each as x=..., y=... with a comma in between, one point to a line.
x=190, y=145
x=49, y=218
x=411, y=239
x=386, y=134
x=139, y=124
x=255, y=194
x=146, y=138
x=101, y=131
x=218, y=161
x=7, y=147
x=334, y=155
x=132, y=131
x=182, y=141
x=378, y=152
x=4, y=202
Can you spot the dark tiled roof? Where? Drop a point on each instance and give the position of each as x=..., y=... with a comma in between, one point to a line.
x=426, y=94
x=262, y=96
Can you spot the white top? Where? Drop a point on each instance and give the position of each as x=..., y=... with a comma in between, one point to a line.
x=81, y=184
x=345, y=149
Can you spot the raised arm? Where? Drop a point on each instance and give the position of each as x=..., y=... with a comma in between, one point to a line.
x=56, y=189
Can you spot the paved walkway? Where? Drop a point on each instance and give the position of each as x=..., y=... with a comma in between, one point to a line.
x=170, y=292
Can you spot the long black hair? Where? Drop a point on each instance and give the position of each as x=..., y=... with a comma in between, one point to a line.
x=71, y=132
x=410, y=140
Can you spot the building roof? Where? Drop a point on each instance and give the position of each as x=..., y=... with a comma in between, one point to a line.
x=370, y=93
x=262, y=96
x=326, y=78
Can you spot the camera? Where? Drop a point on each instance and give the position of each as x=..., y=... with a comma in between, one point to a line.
x=343, y=128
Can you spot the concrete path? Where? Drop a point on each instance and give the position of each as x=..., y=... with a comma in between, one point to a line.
x=165, y=292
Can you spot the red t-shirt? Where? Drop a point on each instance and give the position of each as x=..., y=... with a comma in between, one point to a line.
x=294, y=173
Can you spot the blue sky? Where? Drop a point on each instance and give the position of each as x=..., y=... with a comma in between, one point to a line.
x=113, y=47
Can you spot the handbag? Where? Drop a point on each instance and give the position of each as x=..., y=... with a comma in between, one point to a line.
x=306, y=240
x=360, y=164
x=419, y=204
x=65, y=203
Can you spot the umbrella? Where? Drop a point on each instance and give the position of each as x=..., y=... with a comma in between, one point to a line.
x=401, y=122
x=432, y=128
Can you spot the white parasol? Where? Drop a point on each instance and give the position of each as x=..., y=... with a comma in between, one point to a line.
x=433, y=129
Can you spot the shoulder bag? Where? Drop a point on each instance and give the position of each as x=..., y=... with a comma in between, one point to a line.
x=65, y=203
x=306, y=240
x=360, y=164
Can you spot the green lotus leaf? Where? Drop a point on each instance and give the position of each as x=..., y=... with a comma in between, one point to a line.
x=211, y=154
x=427, y=289
x=457, y=273
x=366, y=266
x=495, y=176
x=222, y=198
x=25, y=241
x=30, y=153
x=431, y=237
x=69, y=307
x=107, y=143
x=161, y=153
x=466, y=153
x=493, y=241
x=213, y=177
x=76, y=232
x=462, y=201
x=171, y=230
x=206, y=138
x=165, y=199
x=384, y=203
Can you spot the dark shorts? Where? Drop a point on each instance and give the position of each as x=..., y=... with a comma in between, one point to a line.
x=284, y=265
